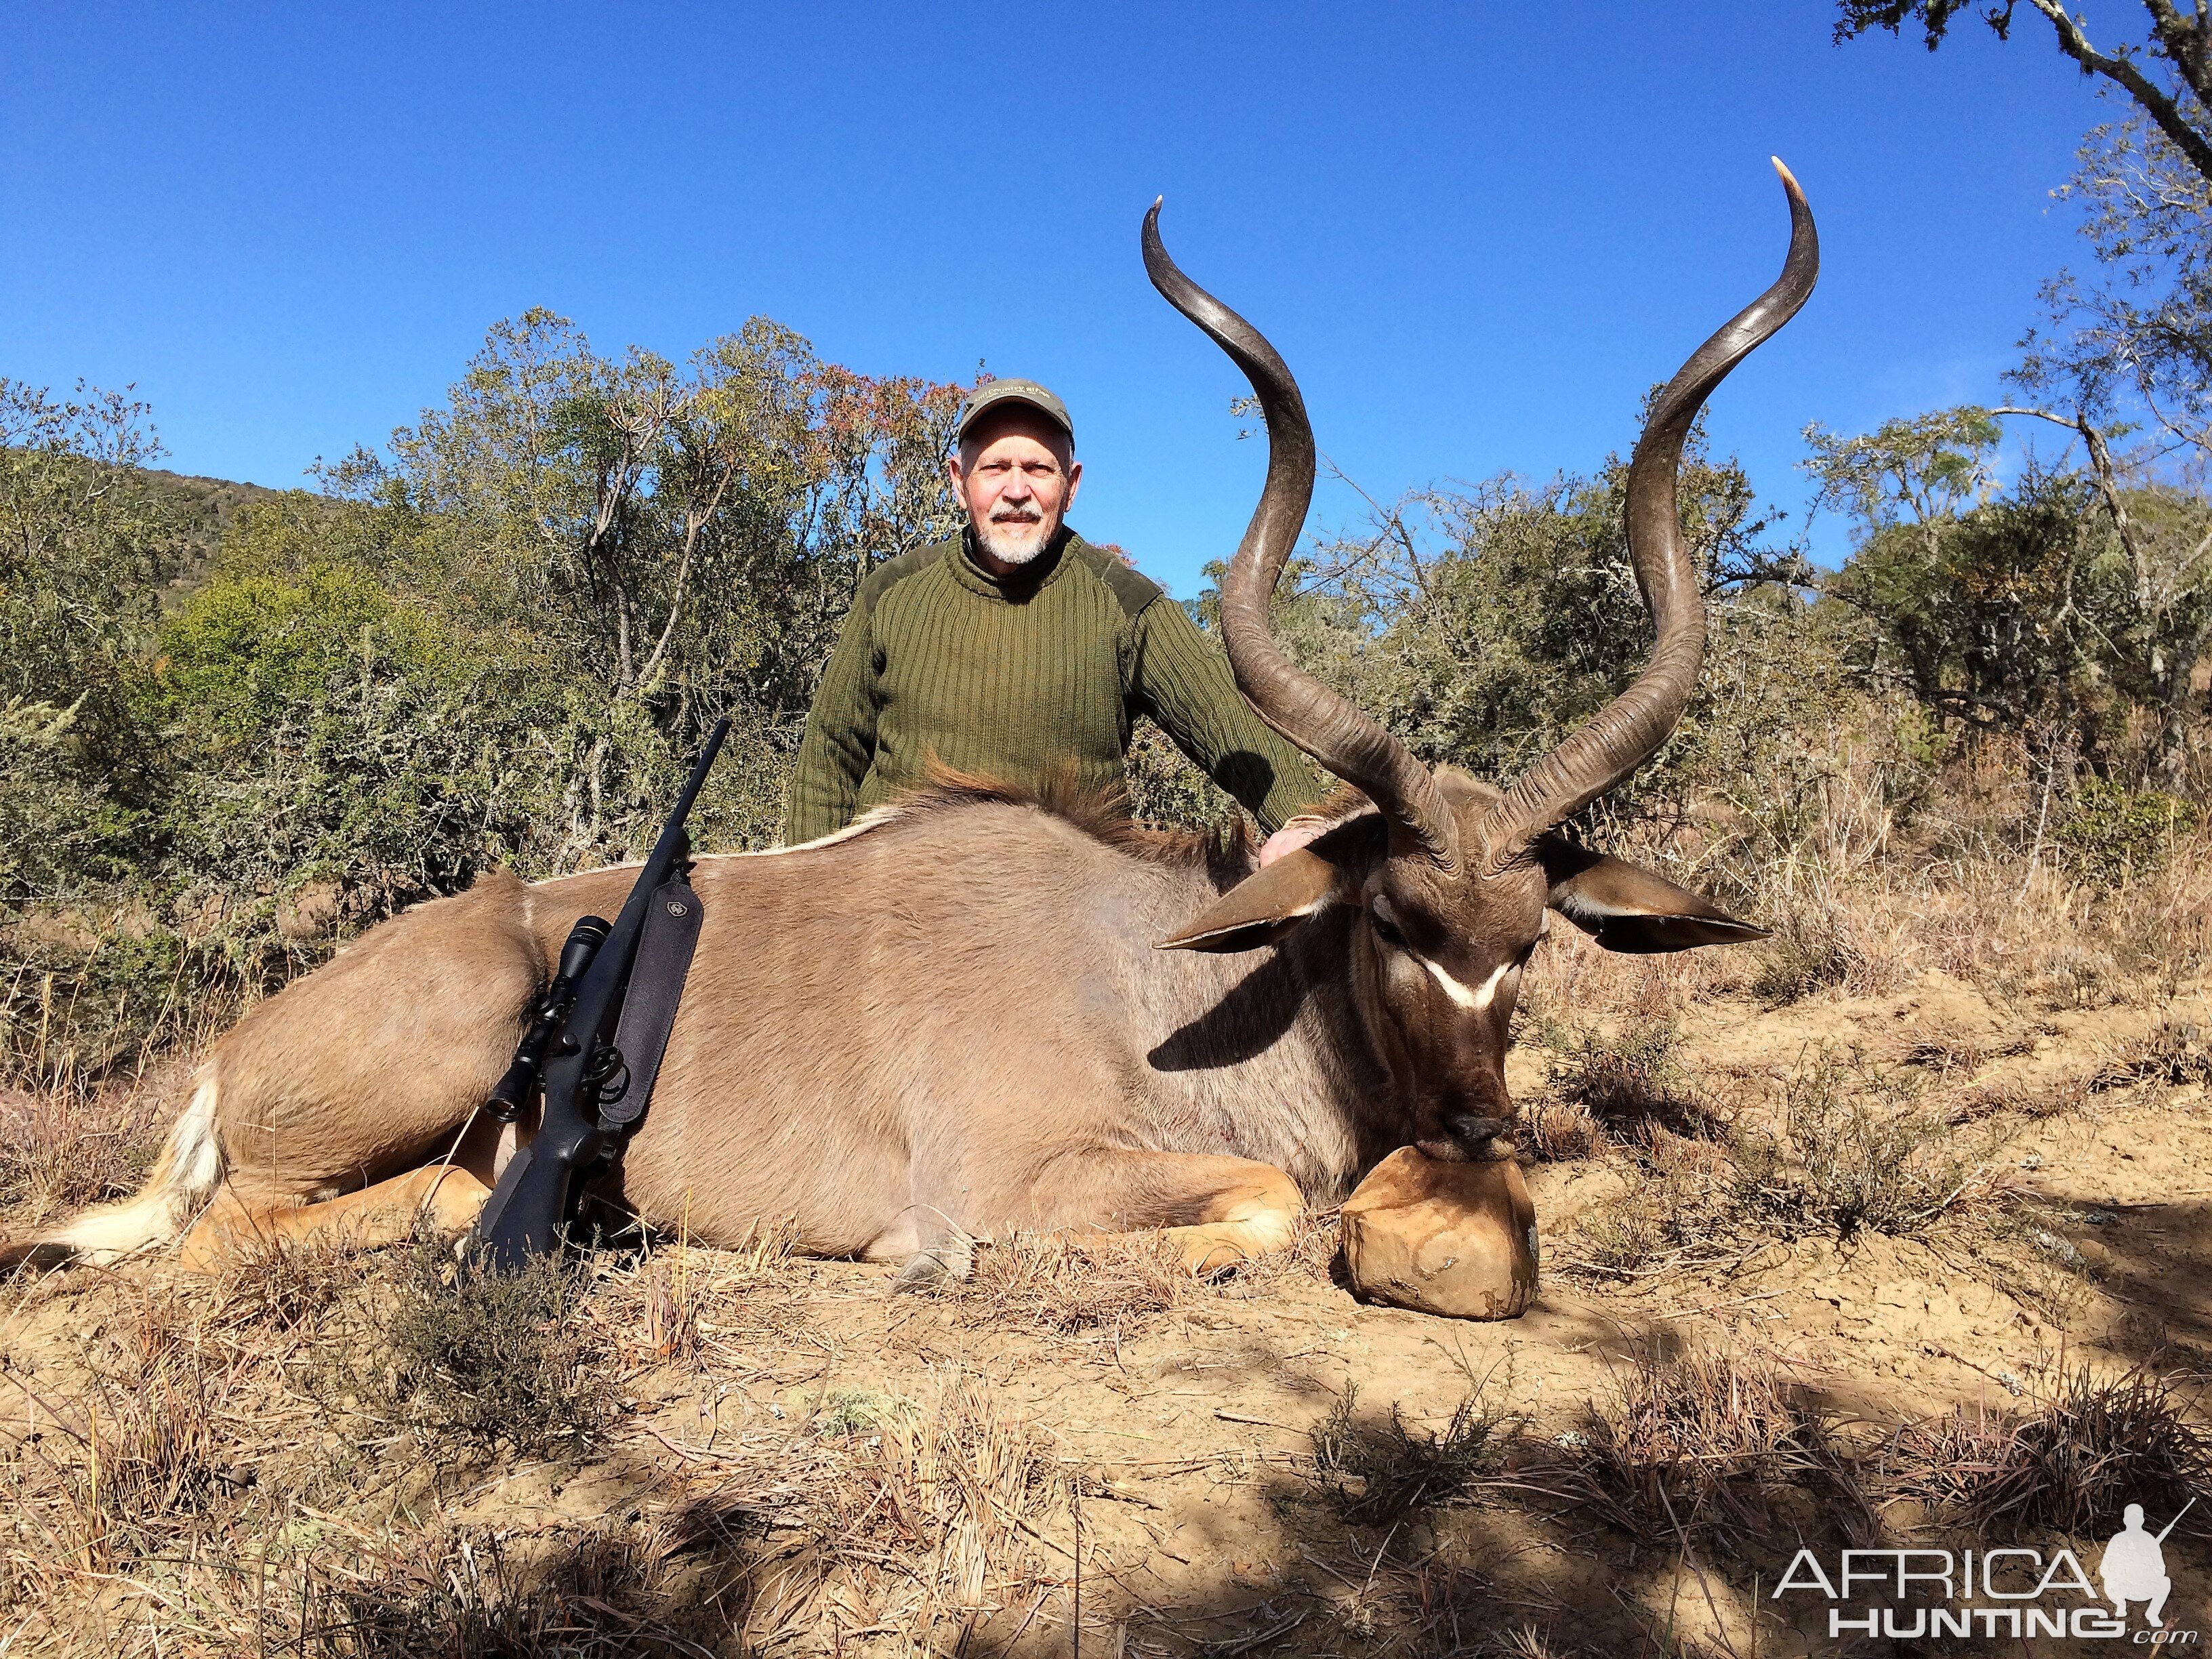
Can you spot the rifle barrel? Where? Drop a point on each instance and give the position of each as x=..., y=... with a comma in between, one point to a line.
x=536, y=1190
x=2176, y=1522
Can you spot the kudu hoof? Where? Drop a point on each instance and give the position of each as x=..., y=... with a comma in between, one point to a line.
x=1452, y=1238
x=947, y=1264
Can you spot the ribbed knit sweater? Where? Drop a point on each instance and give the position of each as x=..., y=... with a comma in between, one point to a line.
x=1019, y=678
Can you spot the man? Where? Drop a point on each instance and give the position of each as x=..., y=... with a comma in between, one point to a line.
x=1018, y=650
x=2134, y=1568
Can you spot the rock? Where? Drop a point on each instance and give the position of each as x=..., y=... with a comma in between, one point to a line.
x=1452, y=1238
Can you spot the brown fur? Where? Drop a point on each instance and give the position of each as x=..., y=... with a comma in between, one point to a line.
x=951, y=1024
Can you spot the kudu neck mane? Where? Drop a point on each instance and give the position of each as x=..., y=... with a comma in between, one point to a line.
x=1101, y=814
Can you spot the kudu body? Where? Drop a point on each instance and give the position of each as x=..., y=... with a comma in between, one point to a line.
x=954, y=1019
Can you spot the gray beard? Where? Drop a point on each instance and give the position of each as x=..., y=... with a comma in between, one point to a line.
x=1014, y=544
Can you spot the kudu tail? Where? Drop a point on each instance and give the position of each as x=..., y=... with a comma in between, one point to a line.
x=184, y=1178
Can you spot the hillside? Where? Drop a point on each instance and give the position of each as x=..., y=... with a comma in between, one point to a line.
x=205, y=508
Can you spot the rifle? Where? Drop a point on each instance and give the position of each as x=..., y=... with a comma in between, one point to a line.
x=594, y=1094
x=2176, y=1522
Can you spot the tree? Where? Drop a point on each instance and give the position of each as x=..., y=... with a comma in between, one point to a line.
x=1483, y=624
x=683, y=542
x=2055, y=610
x=1919, y=471
x=2139, y=341
x=83, y=548
x=2129, y=351
x=2178, y=45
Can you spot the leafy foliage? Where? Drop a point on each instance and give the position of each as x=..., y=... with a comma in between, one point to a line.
x=2062, y=608
x=496, y=643
x=2127, y=348
x=2110, y=831
x=84, y=546
x=1484, y=624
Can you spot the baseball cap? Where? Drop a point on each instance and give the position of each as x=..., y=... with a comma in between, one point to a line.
x=993, y=393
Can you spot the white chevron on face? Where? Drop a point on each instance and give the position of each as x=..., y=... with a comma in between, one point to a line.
x=1478, y=999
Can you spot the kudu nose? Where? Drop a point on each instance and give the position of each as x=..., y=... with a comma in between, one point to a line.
x=1477, y=1136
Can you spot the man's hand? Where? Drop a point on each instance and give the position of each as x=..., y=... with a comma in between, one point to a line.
x=1295, y=833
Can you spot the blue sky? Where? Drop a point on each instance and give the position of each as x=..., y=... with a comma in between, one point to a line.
x=1476, y=232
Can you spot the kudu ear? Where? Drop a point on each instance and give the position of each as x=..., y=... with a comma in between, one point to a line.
x=1268, y=903
x=1625, y=907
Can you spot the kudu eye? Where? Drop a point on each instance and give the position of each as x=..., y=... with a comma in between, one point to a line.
x=1387, y=930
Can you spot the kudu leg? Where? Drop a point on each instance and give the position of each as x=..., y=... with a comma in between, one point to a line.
x=1213, y=1211
x=447, y=1197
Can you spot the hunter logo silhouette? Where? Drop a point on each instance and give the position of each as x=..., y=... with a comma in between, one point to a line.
x=2134, y=1567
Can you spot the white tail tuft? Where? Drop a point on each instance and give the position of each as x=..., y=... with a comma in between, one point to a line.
x=185, y=1177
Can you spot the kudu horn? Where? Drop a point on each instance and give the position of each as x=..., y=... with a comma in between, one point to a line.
x=1302, y=708
x=1628, y=731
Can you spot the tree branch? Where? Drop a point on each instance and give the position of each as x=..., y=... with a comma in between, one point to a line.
x=695, y=520
x=2122, y=72
x=2100, y=463
x=2182, y=40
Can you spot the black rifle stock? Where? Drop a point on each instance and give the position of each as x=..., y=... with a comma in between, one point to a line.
x=573, y=1050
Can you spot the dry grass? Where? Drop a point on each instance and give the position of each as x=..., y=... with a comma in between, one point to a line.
x=671, y=1302
x=150, y=1430
x=1624, y=1080
x=1560, y=1131
x=1427, y=1607
x=191, y=1469
x=286, y=1286
x=1682, y=1213
x=1697, y=1443
x=923, y=1517
x=2016, y=1097
x=1109, y=1286
x=2079, y=1450
x=1865, y=903
x=158, y=1474
x=145, y=1447
x=2173, y=1053
x=60, y=1149
x=1045, y=1283
x=1847, y=1149
x=1377, y=1469
x=1810, y=951
x=1855, y=1154
x=1317, y=1240
x=617, y=1589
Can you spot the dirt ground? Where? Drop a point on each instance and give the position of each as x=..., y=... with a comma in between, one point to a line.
x=792, y=1460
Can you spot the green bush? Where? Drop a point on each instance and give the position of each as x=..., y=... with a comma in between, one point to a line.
x=2110, y=831
x=346, y=734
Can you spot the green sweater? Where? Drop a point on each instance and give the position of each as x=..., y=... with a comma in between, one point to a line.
x=1015, y=677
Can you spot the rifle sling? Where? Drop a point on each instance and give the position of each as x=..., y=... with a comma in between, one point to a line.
x=664, y=944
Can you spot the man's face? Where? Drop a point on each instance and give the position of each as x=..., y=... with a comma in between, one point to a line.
x=1017, y=476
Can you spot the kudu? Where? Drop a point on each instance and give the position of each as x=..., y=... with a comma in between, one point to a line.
x=955, y=1017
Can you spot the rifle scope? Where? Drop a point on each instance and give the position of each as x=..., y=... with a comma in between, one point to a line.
x=512, y=1094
